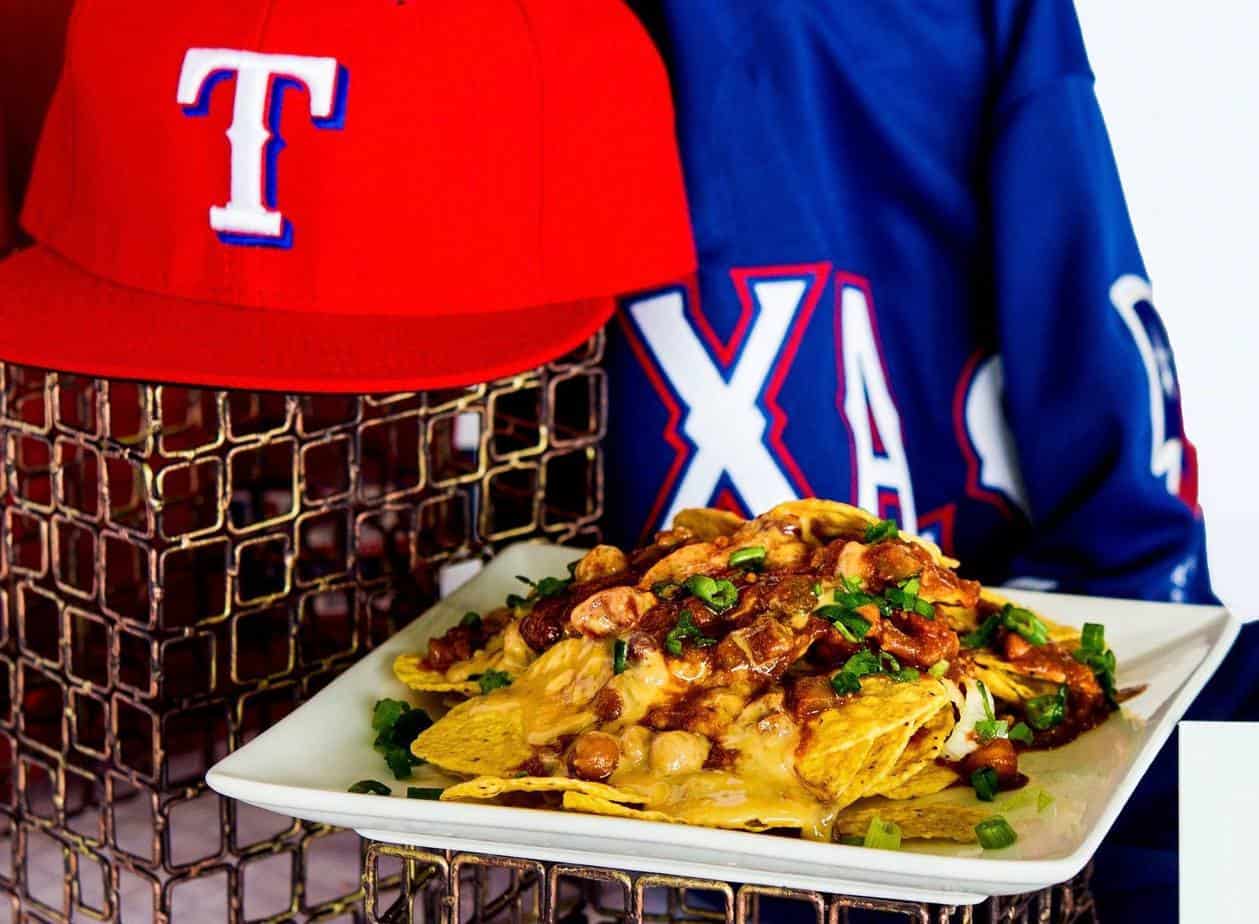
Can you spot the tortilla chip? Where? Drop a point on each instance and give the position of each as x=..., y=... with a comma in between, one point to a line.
x=707, y=523
x=408, y=669
x=722, y=799
x=824, y=520
x=489, y=787
x=862, y=739
x=953, y=821
x=930, y=779
x=1057, y=632
x=1005, y=683
x=493, y=734
x=884, y=753
x=505, y=651
x=483, y=736
x=581, y=802
x=920, y=753
x=709, y=798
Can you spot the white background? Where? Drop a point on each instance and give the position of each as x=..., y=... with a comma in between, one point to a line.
x=1179, y=88
x=1219, y=810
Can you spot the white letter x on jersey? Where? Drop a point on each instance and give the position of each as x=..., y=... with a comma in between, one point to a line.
x=723, y=419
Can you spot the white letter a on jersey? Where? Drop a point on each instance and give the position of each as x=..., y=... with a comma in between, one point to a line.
x=870, y=411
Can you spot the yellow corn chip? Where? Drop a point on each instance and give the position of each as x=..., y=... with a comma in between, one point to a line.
x=953, y=821
x=920, y=752
x=489, y=787
x=707, y=523
x=862, y=739
x=492, y=735
x=930, y=779
x=580, y=802
x=505, y=651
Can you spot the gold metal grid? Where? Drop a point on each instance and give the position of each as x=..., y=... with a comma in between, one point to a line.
x=412, y=885
x=181, y=567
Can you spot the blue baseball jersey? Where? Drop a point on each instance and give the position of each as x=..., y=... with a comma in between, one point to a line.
x=919, y=291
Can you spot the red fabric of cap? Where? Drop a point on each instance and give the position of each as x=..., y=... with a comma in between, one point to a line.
x=336, y=196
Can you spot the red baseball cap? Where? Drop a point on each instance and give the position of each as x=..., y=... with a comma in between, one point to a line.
x=343, y=195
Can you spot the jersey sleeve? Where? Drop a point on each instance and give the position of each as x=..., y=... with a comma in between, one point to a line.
x=1091, y=392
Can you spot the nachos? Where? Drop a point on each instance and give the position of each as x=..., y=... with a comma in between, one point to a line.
x=812, y=671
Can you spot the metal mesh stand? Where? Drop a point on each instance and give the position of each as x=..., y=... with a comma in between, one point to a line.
x=181, y=567
x=411, y=885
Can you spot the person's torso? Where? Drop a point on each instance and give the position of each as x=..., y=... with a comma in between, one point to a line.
x=839, y=341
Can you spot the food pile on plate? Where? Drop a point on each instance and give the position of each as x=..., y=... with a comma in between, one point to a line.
x=810, y=671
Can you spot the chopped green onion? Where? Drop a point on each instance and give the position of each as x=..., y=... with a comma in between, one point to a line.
x=986, y=698
x=551, y=587
x=939, y=669
x=851, y=599
x=817, y=589
x=620, y=651
x=883, y=835
x=924, y=609
x=751, y=558
x=424, y=792
x=1093, y=637
x=906, y=675
x=982, y=636
x=845, y=682
x=1096, y=655
x=895, y=598
x=888, y=662
x=862, y=663
x=853, y=840
x=493, y=680
x=844, y=631
x=400, y=761
x=684, y=631
x=1047, y=711
x=370, y=788
x=665, y=590
x=851, y=584
x=852, y=626
x=911, y=587
x=717, y=594
x=398, y=725
x=1043, y=800
x=1025, y=623
x=386, y=712
x=884, y=529
x=471, y=619
x=409, y=726
x=995, y=833
x=547, y=587
x=1021, y=733
x=985, y=782
x=989, y=729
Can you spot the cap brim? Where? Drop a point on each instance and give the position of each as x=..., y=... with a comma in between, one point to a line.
x=57, y=316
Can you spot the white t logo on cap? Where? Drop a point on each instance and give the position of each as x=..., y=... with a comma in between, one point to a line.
x=250, y=216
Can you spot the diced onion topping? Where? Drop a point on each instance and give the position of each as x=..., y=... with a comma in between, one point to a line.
x=971, y=710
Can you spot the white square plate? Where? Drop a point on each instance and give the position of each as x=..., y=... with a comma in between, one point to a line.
x=303, y=764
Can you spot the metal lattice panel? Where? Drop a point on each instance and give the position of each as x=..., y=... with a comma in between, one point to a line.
x=411, y=885
x=181, y=567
